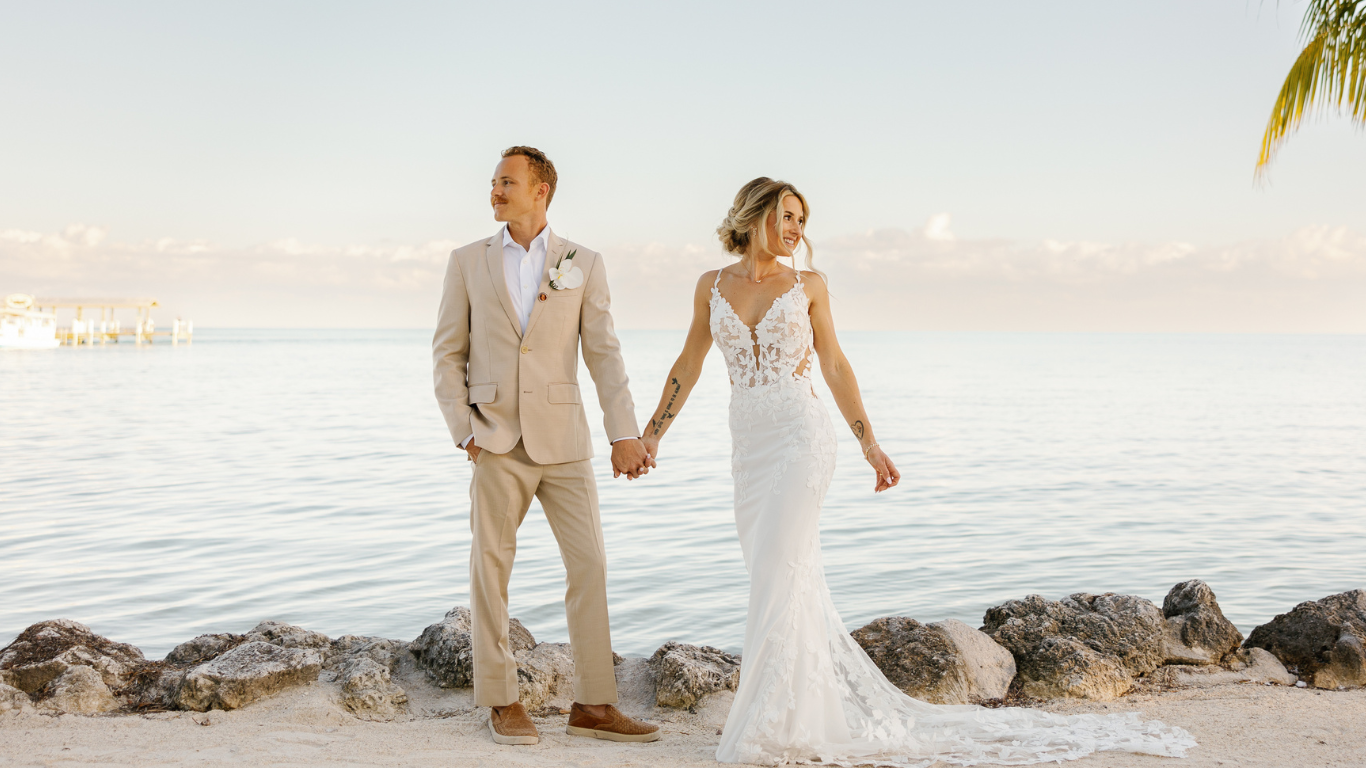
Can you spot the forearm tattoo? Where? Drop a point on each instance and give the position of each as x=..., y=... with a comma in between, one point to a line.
x=857, y=426
x=657, y=425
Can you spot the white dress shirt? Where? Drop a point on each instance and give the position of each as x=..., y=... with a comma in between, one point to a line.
x=522, y=271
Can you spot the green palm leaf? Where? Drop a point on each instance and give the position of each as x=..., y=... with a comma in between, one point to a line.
x=1329, y=73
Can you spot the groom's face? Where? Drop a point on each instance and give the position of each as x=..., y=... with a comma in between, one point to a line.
x=515, y=192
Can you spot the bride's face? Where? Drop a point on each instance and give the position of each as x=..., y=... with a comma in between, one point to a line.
x=785, y=226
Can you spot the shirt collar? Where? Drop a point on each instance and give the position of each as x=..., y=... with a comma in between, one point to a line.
x=543, y=238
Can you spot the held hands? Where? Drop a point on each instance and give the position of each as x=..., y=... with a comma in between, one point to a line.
x=887, y=476
x=630, y=458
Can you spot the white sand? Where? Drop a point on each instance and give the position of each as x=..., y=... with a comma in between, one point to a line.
x=1236, y=725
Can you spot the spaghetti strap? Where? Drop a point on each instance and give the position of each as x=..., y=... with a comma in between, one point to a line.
x=715, y=284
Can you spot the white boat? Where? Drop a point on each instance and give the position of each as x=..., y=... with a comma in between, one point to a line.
x=23, y=328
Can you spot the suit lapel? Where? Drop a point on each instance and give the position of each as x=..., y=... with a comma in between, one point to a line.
x=554, y=250
x=494, y=259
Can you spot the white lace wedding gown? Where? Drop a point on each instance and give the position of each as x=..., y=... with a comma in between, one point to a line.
x=807, y=691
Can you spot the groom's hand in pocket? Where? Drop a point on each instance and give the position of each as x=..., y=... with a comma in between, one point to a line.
x=629, y=458
x=473, y=451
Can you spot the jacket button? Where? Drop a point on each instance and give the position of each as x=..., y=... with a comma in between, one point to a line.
x=526, y=350
x=542, y=297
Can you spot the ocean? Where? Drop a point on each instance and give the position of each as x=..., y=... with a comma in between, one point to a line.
x=161, y=492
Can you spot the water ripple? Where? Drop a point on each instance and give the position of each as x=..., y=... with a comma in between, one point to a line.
x=156, y=493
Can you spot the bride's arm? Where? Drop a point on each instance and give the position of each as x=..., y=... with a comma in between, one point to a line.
x=683, y=375
x=839, y=376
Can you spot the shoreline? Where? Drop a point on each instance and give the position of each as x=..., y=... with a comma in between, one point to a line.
x=284, y=695
x=1246, y=725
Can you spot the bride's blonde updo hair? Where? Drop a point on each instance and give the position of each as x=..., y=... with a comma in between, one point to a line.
x=746, y=223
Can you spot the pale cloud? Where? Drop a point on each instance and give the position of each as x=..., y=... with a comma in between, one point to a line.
x=1311, y=280
x=924, y=278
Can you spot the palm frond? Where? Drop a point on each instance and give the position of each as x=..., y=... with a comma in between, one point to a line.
x=1329, y=73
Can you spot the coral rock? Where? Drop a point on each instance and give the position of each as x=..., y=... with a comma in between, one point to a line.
x=79, y=690
x=1195, y=630
x=445, y=650
x=1323, y=641
x=1083, y=646
x=288, y=636
x=947, y=662
x=203, y=648
x=685, y=673
x=369, y=691
x=14, y=700
x=46, y=650
x=385, y=652
x=545, y=674
x=1066, y=668
x=246, y=673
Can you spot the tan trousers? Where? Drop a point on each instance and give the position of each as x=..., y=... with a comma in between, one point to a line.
x=500, y=494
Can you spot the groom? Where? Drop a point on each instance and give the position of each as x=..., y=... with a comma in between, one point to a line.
x=514, y=310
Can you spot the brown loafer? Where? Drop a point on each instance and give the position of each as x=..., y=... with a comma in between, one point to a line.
x=513, y=726
x=614, y=727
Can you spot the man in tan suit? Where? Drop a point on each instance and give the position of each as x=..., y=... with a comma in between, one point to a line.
x=514, y=311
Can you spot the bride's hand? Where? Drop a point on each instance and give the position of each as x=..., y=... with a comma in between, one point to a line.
x=887, y=476
x=651, y=446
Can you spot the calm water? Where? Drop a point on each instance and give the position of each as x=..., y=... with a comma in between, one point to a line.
x=306, y=476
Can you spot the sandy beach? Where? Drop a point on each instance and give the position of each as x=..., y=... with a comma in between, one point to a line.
x=1244, y=724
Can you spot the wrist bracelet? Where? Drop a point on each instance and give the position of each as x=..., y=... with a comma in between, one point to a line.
x=869, y=449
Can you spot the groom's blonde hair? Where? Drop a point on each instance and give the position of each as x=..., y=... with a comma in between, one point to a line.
x=746, y=222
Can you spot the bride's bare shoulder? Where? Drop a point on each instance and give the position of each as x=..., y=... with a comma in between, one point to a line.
x=705, y=282
x=813, y=283
x=708, y=278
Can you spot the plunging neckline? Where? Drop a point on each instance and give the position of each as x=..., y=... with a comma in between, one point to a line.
x=753, y=331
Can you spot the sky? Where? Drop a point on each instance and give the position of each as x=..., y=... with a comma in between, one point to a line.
x=1054, y=166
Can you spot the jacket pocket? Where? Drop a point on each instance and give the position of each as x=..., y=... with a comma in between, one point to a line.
x=564, y=393
x=482, y=393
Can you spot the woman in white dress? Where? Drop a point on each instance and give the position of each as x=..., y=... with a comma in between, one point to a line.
x=807, y=691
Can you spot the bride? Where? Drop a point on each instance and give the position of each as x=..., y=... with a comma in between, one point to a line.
x=807, y=691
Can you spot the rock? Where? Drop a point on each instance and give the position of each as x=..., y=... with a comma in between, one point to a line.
x=1108, y=640
x=79, y=690
x=383, y=651
x=1257, y=665
x=946, y=662
x=14, y=700
x=369, y=691
x=1346, y=663
x=1195, y=630
x=444, y=650
x=1321, y=641
x=1246, y=665
x=366, y=666
x=685, y=673
x=545, y=674
x=288, y=636
x=1067, y=668
x=246, y=673
x=988, y=666
x=203, y=648
x=153, y=687
x=635, y=687
x=46, y=650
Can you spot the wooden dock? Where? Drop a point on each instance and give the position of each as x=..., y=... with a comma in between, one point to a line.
x=108, y=328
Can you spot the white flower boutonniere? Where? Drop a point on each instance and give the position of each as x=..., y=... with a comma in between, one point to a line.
x=564, y=276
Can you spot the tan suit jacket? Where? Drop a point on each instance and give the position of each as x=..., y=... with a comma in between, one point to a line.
x=500, y=385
